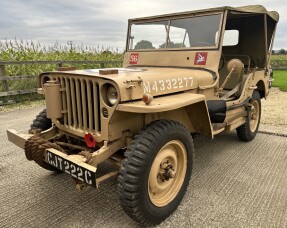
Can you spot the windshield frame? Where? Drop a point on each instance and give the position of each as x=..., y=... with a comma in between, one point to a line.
x=169, y=19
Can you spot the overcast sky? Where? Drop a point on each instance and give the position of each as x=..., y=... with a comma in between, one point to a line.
x=98, y=22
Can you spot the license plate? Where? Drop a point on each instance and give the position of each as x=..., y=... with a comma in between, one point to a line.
x=79, y=172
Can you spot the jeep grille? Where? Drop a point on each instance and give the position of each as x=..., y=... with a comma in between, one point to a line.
x=81, y=104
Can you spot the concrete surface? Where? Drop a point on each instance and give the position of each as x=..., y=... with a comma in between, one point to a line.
x=234, y=184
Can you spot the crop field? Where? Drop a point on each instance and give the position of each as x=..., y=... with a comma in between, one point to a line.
x=279, y=57
x=19, y=50
x=279, y=61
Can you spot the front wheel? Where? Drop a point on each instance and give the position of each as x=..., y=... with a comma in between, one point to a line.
x=249, y=129
x=41, y=122
x=156, y=172
x=32, y=152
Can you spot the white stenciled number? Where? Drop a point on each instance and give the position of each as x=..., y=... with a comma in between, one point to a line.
x=73, y=170
x=161, y=85
x=191, y=81
x=180, y=83
x=174, y=83
x=80, y=174
x=185, y=81
x=154, y=86
x=134, y=58
x=168, y=82
x=67, y=167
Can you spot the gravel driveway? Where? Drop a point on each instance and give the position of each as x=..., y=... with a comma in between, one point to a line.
x=274, y=109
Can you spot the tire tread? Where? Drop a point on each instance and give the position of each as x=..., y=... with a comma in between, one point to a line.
x=243, y=132
x=41, y=121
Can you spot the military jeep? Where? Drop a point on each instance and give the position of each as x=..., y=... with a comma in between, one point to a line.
x=199, y=72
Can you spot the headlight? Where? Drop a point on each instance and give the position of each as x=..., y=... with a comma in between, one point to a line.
x=112, y=95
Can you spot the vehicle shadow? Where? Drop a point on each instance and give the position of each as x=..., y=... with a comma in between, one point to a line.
x=66, y=207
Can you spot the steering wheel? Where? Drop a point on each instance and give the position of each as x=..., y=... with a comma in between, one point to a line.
x=201, y=44
x=221, y=62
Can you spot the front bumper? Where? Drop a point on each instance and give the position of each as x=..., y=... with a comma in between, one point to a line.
x=74, y=165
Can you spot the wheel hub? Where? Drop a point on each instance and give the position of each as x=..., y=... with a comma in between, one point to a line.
x=166, y=171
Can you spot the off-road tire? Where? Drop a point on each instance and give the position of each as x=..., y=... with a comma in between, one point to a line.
x=41, y=122
x=134, y=176
x=247, y=131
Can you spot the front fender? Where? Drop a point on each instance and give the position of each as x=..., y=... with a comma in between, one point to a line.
x=162, y=104
x=194, y=104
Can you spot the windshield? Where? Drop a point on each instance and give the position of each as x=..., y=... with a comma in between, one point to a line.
x=190, y=32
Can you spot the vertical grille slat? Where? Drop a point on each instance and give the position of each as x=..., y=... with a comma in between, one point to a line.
x=84, y=103
x=99, y=108
x=68, y=101
x=81, y=104
x=64, y=100
x=79, y=107
x=90, y=111
x=73, y=99
x=96, y=106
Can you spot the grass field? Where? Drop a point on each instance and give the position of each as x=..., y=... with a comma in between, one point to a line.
x=280, y=79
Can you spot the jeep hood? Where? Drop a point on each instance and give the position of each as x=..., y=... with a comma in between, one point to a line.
x=134, y=82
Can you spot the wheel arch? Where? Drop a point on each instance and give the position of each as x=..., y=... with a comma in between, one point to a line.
x=261, y=89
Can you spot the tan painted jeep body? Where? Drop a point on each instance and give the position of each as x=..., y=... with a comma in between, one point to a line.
x=196, y=81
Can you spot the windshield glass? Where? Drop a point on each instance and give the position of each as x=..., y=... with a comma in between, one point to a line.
x=190, y=32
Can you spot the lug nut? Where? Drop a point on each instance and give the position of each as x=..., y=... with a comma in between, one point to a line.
x=171, y=173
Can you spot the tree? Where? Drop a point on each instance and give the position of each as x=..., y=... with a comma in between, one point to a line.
x=282, y=52
x=144, y=44
x=172, y=45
